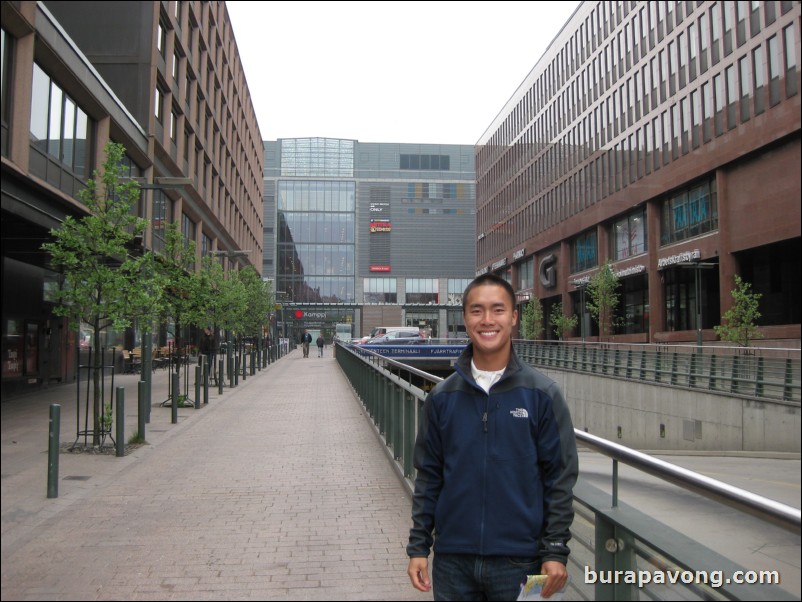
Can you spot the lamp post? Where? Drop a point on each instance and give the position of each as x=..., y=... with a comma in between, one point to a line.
x=697, y=267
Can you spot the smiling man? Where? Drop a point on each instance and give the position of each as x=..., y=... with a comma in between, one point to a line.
x=496, y=461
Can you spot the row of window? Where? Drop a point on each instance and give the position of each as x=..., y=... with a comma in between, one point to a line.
x=425, y=162
x=299, y=227
x=707, y=111
x=742, y=89
x=304, y=195
x=221, y=120
x=689, y=212
x=317, y=157
x=645, y=25
x=59, y=127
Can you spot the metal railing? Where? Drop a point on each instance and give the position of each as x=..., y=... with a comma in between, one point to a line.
x=759, y=372
x=607, y=534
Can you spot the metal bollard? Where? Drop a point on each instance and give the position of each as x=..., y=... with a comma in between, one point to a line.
x=197, y=387
x=176, y=389
x=220, y=378
x=206, y=383
x=141, y=414
x=119, y=444
x=53, y=450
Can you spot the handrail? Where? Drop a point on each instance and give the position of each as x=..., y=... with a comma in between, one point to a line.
x=756, y=505
x=756, y=372
x=613, y=535
x=780, y=514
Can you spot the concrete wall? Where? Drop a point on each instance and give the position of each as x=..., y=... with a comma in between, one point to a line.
x=693, y=420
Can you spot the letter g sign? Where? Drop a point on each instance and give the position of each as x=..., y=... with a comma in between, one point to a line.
x=548, y=271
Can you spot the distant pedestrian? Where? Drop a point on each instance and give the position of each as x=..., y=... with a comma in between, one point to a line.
x=207, y=349
x=320, y=342
x=306, y=339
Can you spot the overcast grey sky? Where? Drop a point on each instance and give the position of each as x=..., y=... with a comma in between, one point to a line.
x=420, y=72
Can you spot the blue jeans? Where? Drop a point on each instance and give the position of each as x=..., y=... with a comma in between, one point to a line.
x=470, y=577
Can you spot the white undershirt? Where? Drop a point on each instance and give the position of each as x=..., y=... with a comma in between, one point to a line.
x=485, y=378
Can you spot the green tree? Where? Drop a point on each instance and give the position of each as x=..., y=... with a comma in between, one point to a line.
x=532, y=319
x=185, y=299
x=603, y=299
x=740, y=321
x=104, y=286
x=258, y=301
x=561, y=322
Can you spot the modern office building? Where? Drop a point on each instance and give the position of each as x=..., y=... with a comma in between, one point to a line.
x=664, y=138
x=371, y=234
x=162, y=78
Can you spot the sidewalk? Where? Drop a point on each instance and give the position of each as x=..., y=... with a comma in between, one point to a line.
x=278, y=489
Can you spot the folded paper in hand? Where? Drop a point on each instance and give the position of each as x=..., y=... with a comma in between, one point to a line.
x=532, y=589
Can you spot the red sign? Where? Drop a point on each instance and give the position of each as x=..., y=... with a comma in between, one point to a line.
x=380, y=268
x=299, y=314
x=380, y=226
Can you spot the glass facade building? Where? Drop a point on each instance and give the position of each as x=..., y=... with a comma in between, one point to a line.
x=662, y=138
x=371, y=234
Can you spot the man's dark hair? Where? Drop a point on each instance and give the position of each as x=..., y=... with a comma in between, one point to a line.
x=488, y=280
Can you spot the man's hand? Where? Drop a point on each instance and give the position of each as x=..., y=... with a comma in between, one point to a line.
x=557, y=577
x=418, y=571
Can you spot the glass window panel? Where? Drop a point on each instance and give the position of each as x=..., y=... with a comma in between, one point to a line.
x=69, y=132
x=54, y=125
x=40, y=96
x=81, y=143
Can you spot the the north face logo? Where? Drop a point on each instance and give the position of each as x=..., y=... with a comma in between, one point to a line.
x=520, y=413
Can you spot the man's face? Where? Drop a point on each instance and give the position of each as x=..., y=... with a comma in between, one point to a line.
x=489, y=318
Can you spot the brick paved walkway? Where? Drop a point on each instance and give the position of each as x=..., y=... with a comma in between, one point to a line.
x=277, y=490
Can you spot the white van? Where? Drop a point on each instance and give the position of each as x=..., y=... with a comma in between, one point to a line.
x=380, y=330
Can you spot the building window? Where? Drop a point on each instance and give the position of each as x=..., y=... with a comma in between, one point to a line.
x=689, y=213
x=158, y=107
x=455, y=325
x=162, y=214
x=789, y=51
x=59, y=127
x=632, y=312
x=526, y=274
x=317, y=157
x=425, y=321
x=628, y=235
x=161, y=38
x=422, y=290
x=584, y=252
x=680, y=298
x=315, y=235
x=206, y=245
x=173, y=126
x=759, y=73
x=5, y=82
x=456, y=288
x=380, y=290
x=426, y=162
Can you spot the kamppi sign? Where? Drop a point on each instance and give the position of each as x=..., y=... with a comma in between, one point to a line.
x=300, y=314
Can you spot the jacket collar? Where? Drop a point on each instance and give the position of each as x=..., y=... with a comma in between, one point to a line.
x=463, y=364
